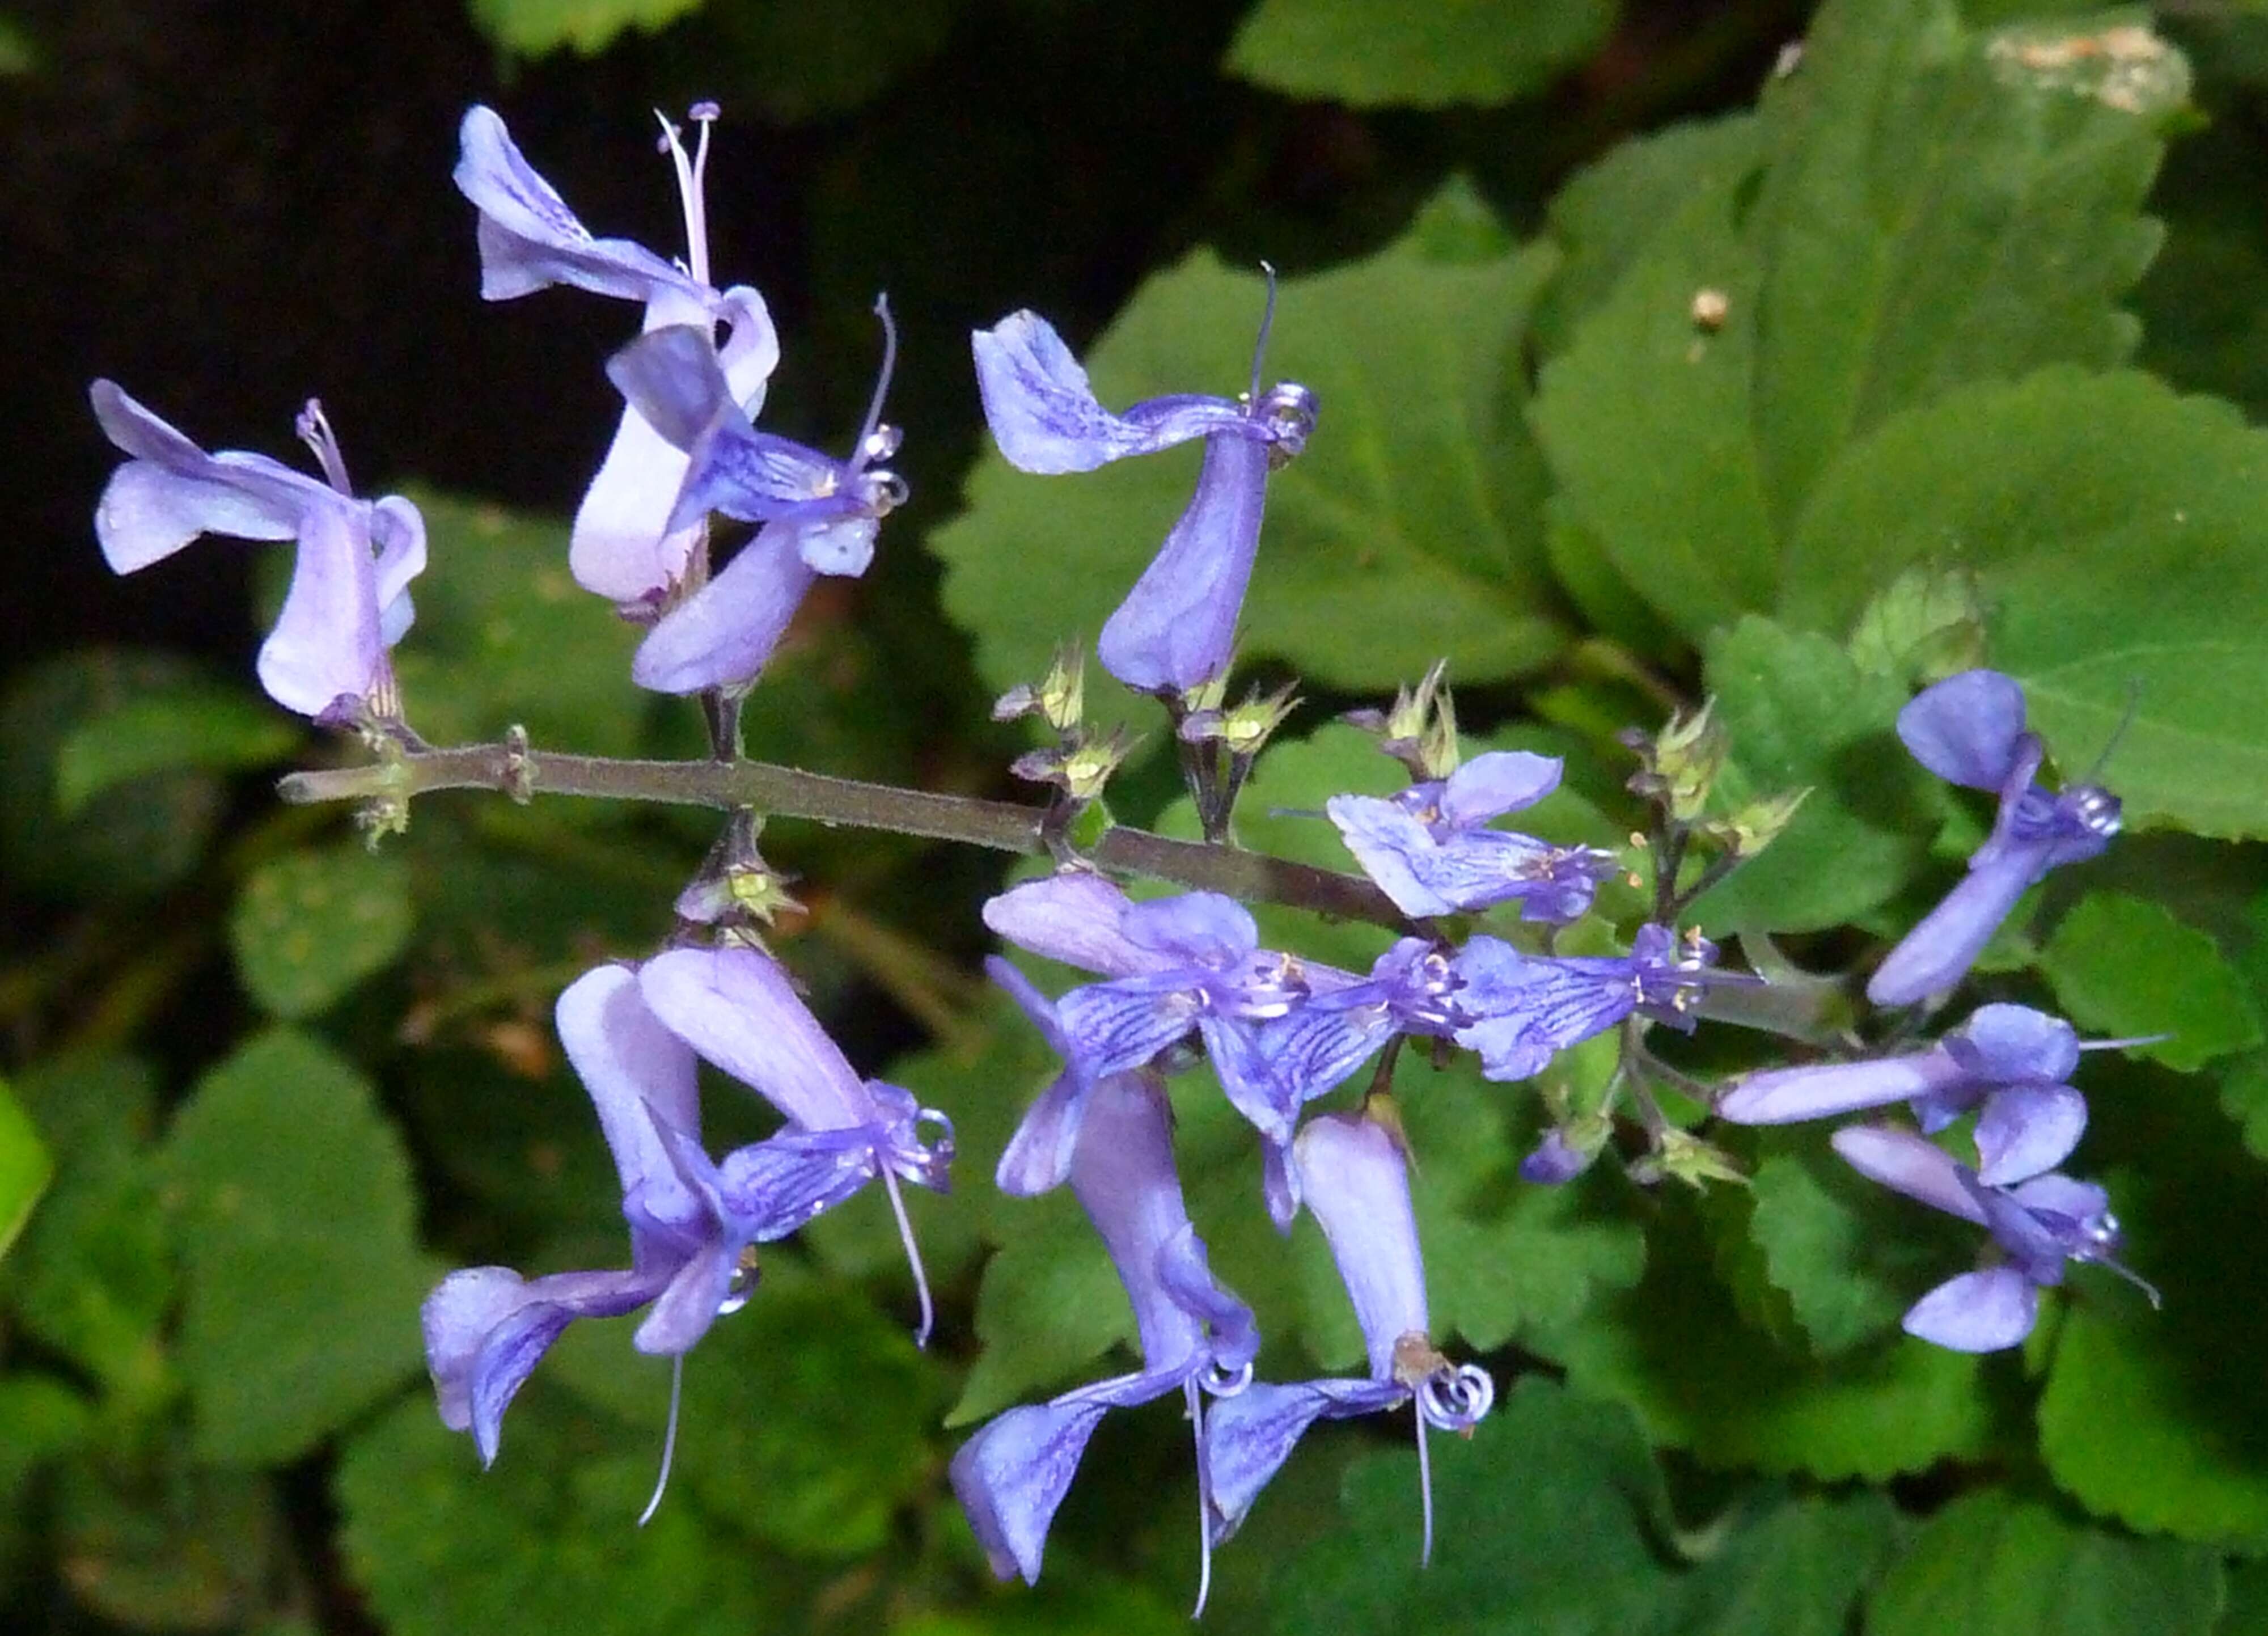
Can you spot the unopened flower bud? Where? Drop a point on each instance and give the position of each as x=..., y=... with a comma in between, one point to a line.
x=1757, y=825
x=1420, y=730
x=1678, y=765
x=1690, y=1159
x=1245, y=729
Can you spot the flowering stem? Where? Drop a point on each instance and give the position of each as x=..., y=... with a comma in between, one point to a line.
x=791, y=792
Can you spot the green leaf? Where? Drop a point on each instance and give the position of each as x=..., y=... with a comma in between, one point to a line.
x=1050, y=1301
x=531, y=27
x=1923, y=628
x=1686, y=527
x=1942, y=207
x=164, y=1544
x=196, y=725
x=1850, y=1256
x=1612, y=211
x=2063, y=493
x=1795, y=1571
x=808, y=1415
x=1701, y=1378
x=25, y=1168
x=2126, y=966
x=507, y=636
x=309, y=926
x=1990, y=1564
x=92, y=1276
x=545, y=1542
x=1799, y=713
x=1376, y=54
x=795, y=62
x=1932, y=211
x=1548, y=1514
x=130, y=840
x=1410, y=530
x=17, y=54
x=298, y=1223
x=2151, y=1415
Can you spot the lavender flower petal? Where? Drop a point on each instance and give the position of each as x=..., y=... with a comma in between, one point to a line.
x=1176, y=629
x=1976, y=1312
x=737, y=1008
x=1248, y=1437
x=1785, y=1095
x=1495, y=783
x=486, y=1329
x=1076, y=918
x=1909, y=1164
x=1044, y=413
x=1966, y=729
x=727, y=632
x=2027, y=1129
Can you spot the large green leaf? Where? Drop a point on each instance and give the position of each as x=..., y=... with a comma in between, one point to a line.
x=2124, y=965
x=1701, y=1378
x=194, y=724
x=309, y=926
x=25, y=1167
x=1410, y=530
x=1850, y=1256
x=128, y=840
x=1934, y=208
x=2151, y=1415
x=533, y=27
x=1379, y=54
x=545, y=1542
x=1799, y=714
x=1990, y=1564
x=807, y=1414
x=1547, y=1518
x=93, y=1275
x=298, y=1222
x=2064, y=492
x=1941, y=207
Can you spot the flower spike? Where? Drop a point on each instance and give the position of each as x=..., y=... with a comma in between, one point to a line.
x=1175, y=632
x=348, y=600
x=1969, y=729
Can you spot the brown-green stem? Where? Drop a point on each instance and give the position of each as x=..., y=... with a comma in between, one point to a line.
x=514, y=769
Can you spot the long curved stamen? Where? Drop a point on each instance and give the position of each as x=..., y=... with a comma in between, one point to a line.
x=314, y=429
x=668, y=1439
x=1205, y=1499
x=866, y=448
x=1267, y=322
x=691, y=172
x=2121, y=1044
x=1424, y=1488
x=913, y=1257
x=2125, y=720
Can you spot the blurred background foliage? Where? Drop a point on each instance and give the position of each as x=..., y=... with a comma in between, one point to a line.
x=261, y=1086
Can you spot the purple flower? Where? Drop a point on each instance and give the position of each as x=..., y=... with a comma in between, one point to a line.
x=737, y=1008
x=2038, y=1225
x=819, y=515
x=1175, y=628
x=1193, y=962
x=1970, y=729
x=691, y=1220
x=1567, y=1151
x=350, y=597
x=626, y=544
x=1355, y=1179
x=1013, y=1474
x=2010, y=1058
x=1524, y=1008
x=1429, y=849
